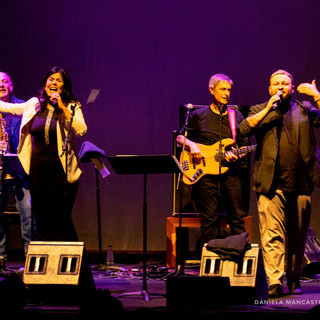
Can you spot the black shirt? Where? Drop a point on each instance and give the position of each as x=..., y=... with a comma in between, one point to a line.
x=204, y=127
x=40, y=147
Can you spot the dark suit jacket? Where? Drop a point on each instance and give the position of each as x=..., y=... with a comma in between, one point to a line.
x=302, y=118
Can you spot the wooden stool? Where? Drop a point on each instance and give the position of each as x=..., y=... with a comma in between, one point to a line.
x=191, y=222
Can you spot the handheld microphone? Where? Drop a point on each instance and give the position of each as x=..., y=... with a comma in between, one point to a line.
x=276, y=103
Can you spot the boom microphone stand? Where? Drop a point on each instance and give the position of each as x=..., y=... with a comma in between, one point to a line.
x=222, y=108
x=179, y=259
x=65, y=148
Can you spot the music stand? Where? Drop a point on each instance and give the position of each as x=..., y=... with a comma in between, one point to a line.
x=12, y=165
x=144, y=164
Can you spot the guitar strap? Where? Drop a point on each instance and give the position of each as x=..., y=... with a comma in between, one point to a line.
x=232, y=120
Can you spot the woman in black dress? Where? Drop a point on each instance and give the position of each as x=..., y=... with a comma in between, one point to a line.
x=46, y=120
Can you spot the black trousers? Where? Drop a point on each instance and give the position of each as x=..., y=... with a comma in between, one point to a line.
x=52, y=200
x=205, y=193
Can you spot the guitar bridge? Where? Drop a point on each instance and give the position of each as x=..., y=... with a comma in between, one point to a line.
x=185, y=165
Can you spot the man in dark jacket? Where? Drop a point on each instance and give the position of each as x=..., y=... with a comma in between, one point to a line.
x=285, y=172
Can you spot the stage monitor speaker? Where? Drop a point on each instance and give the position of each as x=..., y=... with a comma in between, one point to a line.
x=311, y=264
x=247, y=277
x=58, y=271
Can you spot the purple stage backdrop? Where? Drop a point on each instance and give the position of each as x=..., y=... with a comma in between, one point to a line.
x=146, y=58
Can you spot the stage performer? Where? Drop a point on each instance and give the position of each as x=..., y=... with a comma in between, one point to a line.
x=285, y=172
x=17, y=183
x=45, y=123
x=214, y=193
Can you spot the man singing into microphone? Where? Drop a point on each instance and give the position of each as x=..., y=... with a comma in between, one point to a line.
x=285, y=171
x=213, y=194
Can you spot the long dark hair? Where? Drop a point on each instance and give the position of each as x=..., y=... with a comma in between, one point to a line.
x=66, y=95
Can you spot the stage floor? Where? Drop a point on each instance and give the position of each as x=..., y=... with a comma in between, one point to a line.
x=116, y=285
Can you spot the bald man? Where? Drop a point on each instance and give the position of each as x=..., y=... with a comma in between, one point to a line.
x=19, y=184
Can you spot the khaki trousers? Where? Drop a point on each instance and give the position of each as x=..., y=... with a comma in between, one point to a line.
x=283, y=224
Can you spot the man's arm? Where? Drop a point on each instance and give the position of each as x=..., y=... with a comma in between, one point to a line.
x=255, y=119
x=196, y=153
x=191, y=146
x=310, y=89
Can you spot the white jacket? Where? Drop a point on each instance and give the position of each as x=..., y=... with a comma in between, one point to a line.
x=28, y=110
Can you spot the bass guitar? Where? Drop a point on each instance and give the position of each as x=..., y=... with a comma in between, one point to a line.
x=210, y=160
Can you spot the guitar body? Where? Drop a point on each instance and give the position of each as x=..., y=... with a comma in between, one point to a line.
x=209, y=163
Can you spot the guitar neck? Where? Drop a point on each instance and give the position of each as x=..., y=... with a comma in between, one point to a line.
x=241, y=151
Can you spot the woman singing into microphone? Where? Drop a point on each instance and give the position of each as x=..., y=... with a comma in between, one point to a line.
x=45, y=124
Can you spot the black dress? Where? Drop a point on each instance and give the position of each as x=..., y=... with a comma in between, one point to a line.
x=52, y=197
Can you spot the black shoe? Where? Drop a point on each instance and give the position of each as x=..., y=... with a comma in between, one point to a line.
x=294, y=287
x=275, y=291
x=3, y=263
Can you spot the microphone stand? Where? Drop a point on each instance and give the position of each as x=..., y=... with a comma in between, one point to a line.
x=65, y=148
x=179, y=259
x=221, y=109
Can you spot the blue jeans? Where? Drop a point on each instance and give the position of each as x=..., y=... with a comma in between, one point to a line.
x=21, y=191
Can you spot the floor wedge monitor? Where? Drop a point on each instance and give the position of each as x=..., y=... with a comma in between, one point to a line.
x=247, y=277
x=58, y=271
